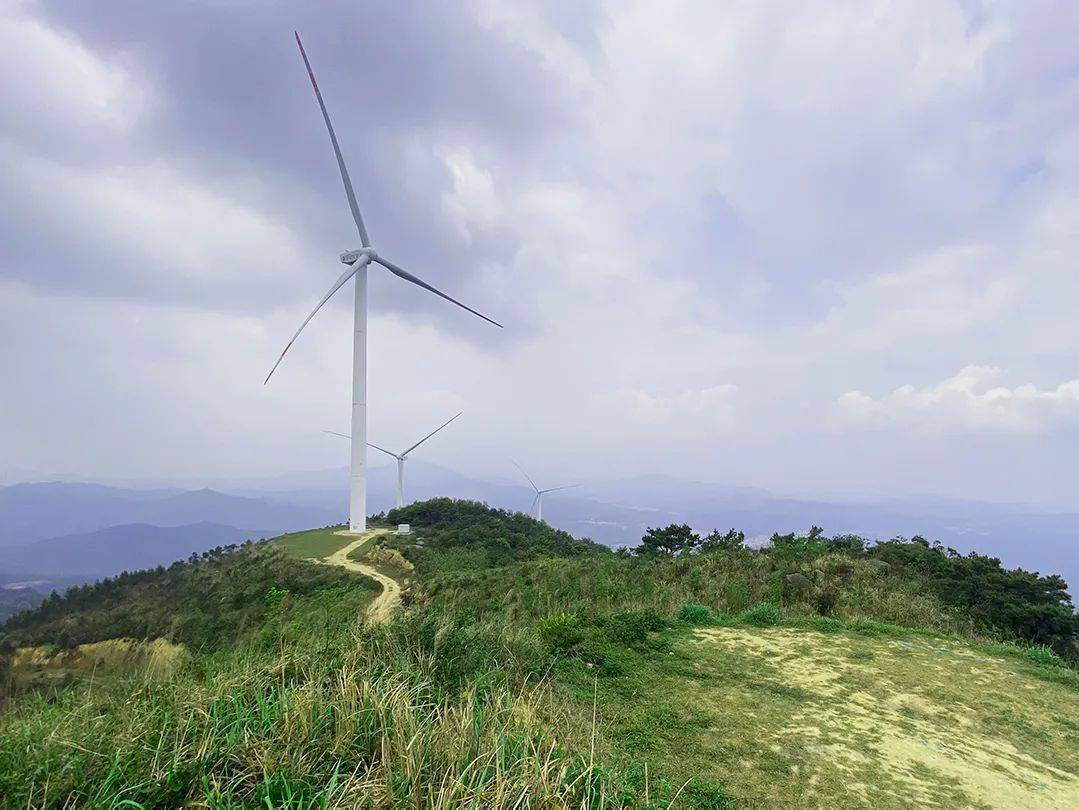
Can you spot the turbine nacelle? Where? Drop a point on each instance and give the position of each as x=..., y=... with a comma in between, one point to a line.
x=353, y=256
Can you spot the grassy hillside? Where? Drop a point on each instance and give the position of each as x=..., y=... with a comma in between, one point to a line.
x=205, y=602
x=694, y=673
x=452, y=535
x=313, y=543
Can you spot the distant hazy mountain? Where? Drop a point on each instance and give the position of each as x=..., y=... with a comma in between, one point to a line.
x=109, y=551
x=30, y=512
x=618, y=511
x=615, y=512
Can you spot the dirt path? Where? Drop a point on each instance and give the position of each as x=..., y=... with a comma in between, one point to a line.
x=390, y=599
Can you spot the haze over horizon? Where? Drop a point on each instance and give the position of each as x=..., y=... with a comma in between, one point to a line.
x=802, y=248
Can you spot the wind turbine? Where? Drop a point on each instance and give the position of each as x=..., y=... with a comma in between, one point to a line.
x=358, y=262
x=537, y=502
x=401, y=457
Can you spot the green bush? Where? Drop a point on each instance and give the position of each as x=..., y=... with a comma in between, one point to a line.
x=696, y=615
x=631, y=627
x=603, y=642
x=561, y=632
x=765, y=614
x=274, y=595
x=459, y=535
x=824, y=624
x=1043, y=656
x=1037, y=654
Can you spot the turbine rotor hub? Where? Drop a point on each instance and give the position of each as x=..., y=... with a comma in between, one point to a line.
x=353, y=256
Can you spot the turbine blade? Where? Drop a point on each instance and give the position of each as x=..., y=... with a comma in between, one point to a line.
x=407, y=276
x=335, y=433
x=345, y=276
x=555, y=489
x=384, y=450
x=532, y=508
x=336, y=150
x=522, y=469
x=429, y=435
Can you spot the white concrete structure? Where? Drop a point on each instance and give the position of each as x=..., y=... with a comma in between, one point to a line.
x=358, y=261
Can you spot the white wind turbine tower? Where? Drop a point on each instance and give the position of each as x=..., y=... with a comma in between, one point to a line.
x=537, y=502
x=401, y=457
x=358, y=262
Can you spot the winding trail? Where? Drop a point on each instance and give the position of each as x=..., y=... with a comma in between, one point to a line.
x=386, y=602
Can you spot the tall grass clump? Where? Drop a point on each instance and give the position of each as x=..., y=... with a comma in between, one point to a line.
x=843, y=588
x=428, y=711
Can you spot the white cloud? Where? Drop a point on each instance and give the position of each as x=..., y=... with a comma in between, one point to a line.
x=472, y=203
x=746, y=208
x=50, y=77
x=165, y=233
x=711, y=407
x=968, y=401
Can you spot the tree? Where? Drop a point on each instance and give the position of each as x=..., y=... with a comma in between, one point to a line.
x=731, y=541
x=674, y=539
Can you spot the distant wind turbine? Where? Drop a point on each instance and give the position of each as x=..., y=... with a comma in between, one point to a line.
x=401, y=457
x=537, y=502
x=358, y=262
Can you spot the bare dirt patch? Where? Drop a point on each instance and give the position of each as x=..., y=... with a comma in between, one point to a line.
x=812, y=719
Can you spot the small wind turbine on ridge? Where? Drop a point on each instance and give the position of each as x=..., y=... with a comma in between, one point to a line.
x=537, y=502
x=401, y=457
x=357, y=262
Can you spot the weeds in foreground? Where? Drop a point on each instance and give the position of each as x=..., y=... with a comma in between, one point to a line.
x=425, y=712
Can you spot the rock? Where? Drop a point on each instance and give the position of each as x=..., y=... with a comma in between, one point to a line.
x=796, y=584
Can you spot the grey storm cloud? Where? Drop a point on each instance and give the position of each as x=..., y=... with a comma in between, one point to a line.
x=230, y=101
x=759, y=243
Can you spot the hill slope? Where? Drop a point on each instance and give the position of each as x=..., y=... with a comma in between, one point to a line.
x=526, y=662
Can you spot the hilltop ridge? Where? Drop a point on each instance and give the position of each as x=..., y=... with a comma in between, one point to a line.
x=692, y=672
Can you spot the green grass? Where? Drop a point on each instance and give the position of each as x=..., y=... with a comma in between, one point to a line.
x=318, y=711
x=725, y=584
x=205, y=603
x=313, y=544
x=712, y=684
x=791, y=716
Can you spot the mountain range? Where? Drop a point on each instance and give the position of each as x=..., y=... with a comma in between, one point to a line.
x=73, y=529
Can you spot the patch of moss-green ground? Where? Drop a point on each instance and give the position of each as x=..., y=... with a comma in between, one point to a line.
x=793, y=717
x=313, y=544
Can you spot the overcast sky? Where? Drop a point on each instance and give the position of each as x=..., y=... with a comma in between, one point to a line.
x=820, y=247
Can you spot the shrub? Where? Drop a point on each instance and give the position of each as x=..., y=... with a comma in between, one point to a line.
x=824, y=624
x=1043, y=656
x=673, y=539
x=274, y=595
x=766, y=614
x=631, y=627
x=695, y=614
x=1037, y=654
x=561, y=631
x=716, y=542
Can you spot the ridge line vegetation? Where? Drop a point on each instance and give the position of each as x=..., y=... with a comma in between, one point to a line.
x=482, y=691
